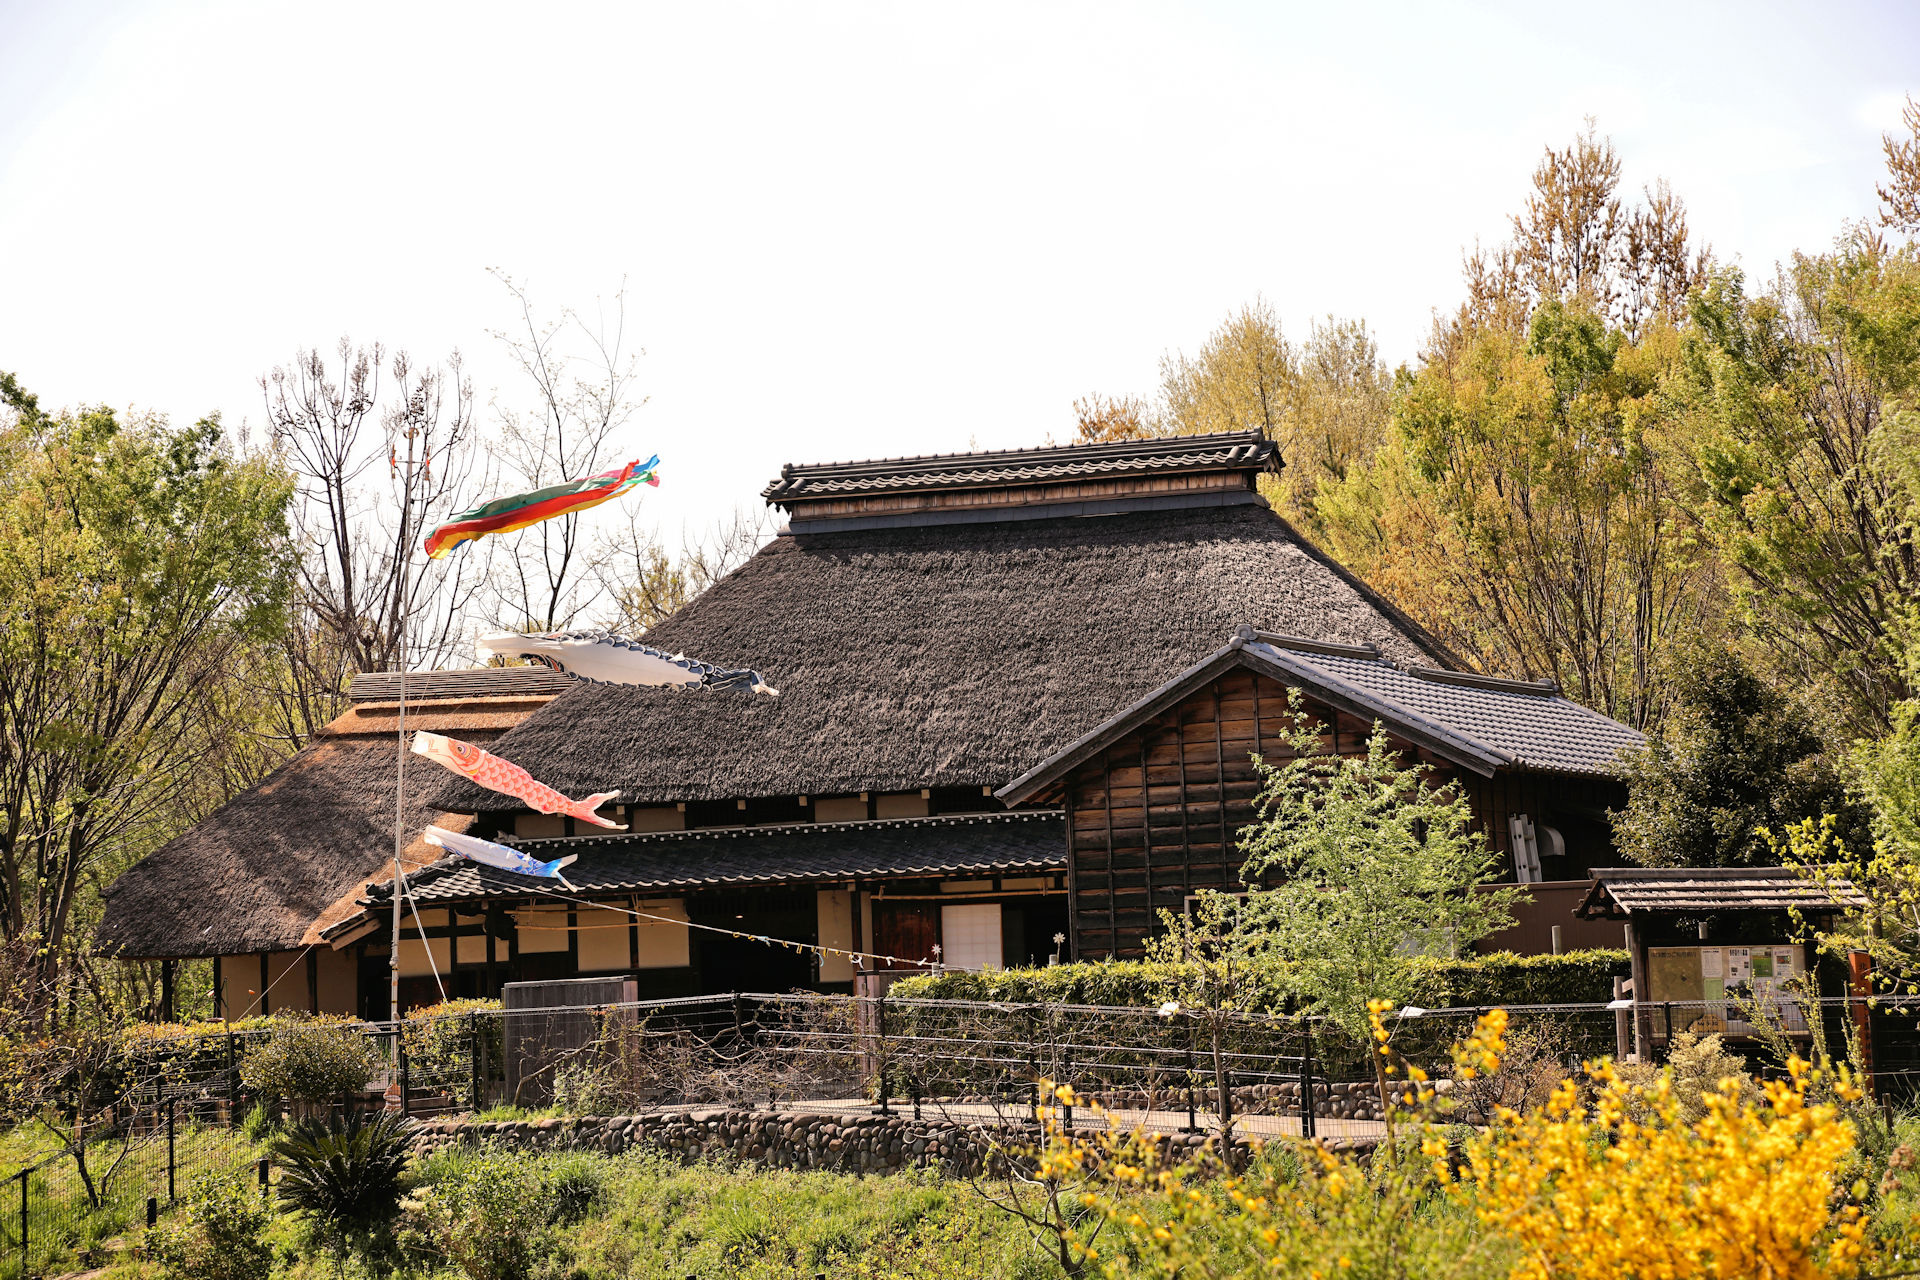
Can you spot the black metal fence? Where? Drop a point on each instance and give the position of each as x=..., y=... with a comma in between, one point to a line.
x=181, y=1106
x=111, y=1169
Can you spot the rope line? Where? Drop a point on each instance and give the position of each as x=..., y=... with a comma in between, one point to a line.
x=815, y=947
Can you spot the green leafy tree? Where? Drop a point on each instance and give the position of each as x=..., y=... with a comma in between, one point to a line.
x=138, y=563
x=1358, y=867
x=1524, y=508
x=1795, y=408
x=1886, y=778
x=1324, y=402
x=1735, y=759
x=1372, y=865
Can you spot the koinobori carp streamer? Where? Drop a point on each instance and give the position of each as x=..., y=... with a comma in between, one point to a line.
x=519, y=510
x=509, y=779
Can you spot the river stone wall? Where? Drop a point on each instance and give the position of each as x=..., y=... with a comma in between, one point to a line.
x=860, y=1142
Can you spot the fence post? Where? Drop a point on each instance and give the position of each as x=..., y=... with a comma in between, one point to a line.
x=473, y=1053
x=1307, y=1126
x=171, y=1197
x=1033, y=1063
x=406, y=1077
x=1064, y=1053
x=233, y=1084
x=1193, y=1125
x=23, y=1222
x=880, y=1040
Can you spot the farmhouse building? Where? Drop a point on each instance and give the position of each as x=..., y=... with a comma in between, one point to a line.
x=1020, y=693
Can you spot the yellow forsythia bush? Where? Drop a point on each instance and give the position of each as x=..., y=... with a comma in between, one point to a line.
x=1591, y=1193
x=1610, y=1179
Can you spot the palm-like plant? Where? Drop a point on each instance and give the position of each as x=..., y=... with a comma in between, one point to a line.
x=346, y=1179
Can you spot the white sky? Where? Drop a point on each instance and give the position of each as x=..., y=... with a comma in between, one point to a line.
x=853, y=231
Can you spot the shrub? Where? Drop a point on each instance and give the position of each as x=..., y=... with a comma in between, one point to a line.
x=345, y=1179
x=215, y=1235
x=440, y=1045
x=491, y=1216
x=1698, y=1066
x=1750, y=1188
x=576, y=1183
x=258, y=1122
x=1500, y=978
x=311, y=1060
x=590, y=1089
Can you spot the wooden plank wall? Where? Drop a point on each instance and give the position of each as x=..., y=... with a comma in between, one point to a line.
x=1158, y=814
x=1552, y=798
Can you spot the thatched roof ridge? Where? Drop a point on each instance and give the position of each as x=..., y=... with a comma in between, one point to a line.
x=1226, y=451
x=955, y=655
x=257, y=872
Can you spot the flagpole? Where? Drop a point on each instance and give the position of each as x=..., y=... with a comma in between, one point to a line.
x=399, y=830
x=400, y=767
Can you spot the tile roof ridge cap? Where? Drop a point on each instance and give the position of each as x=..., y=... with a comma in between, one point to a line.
x=1310, y=644
x=1118, y=448
x=1479, y=680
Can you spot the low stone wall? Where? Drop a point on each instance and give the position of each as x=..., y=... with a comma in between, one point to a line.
x=859, y=1142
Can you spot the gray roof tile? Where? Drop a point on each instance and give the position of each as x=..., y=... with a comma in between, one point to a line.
x=1028, y=842
x=1532, y=725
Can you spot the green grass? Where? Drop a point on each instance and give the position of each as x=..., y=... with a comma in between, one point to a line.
x=657, y=1218
x=662, y=1219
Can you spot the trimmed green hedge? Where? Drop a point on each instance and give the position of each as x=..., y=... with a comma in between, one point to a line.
x=1579, y=977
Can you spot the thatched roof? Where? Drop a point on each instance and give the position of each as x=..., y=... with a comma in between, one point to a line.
x=944, y=655
x=258, y=871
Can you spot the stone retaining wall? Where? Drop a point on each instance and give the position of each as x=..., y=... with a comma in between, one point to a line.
x=859, y=1142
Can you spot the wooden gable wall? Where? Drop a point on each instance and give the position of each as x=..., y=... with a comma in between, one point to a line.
x=1157, y=815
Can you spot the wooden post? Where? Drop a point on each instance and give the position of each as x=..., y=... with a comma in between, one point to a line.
x=264, y=984
x=219, y=996
x=1642, y=1019
x=313, y=981
x=491, y=921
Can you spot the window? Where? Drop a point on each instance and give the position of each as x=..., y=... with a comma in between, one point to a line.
x=970, y=935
